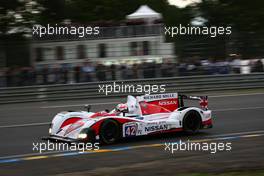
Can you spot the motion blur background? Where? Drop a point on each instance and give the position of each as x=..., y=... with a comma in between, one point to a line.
x=64, y=70
x=131, y=43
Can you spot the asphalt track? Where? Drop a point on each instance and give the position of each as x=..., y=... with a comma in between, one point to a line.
x=238, y=119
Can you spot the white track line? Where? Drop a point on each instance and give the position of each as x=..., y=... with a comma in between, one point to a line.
x=25, y=125
x=32, y=154
x=210, y=136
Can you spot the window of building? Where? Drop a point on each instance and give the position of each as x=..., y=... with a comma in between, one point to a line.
x=133, y=48
x=145, y=48
x=81, y=54
x=102, y=50
x=156, y=47
x=60, y=53
x=39, y=54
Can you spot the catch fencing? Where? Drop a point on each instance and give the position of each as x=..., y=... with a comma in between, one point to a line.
x=187, y=84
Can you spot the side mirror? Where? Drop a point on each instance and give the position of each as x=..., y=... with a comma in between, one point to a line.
x=87, y=107
x=107, y=110
x=124, y=112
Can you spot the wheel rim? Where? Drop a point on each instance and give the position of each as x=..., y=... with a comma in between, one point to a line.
x=192, y=123
x=110, y=132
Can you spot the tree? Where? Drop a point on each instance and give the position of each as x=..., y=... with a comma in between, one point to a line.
x=243, y=15
x=17, y=17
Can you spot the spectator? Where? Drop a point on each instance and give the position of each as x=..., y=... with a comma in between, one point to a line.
x=32, y=76
x=60, y=74
x=113, y=71
x=212, y=66
x=205, y=63
x=123, y=70
x=2, y=78
x=77, y=73
x=182, y=69
x=167, y=69
x=191, y=67
x=9, y=78
x=100, y=72
x=23, y=77
x=236, y=64
x=129, y=72
x=65, y=74
x=149, y=69
x=16, y=76
x=87, y=70
x=56, y=74
x=45, y=74
x=135, y=71
x=258, y=66
x=223, y=67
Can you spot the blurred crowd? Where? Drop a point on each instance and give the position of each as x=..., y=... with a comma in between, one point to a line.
x=92, y=72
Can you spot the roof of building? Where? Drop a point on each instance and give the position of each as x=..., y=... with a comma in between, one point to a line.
x=144, y=12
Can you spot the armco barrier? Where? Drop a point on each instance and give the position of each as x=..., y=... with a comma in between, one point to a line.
x=91, y=90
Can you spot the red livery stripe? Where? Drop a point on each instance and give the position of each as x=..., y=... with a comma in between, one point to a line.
x=70, y=121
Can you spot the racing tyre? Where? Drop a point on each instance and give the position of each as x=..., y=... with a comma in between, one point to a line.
x=192, y=122
x=110, y=131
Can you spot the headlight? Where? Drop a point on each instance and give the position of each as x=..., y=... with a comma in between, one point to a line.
x=82, y=136
x=51, y=125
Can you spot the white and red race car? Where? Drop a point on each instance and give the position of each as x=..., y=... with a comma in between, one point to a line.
x=141, y=115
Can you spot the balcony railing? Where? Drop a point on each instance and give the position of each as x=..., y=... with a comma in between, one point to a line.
x=108, y=33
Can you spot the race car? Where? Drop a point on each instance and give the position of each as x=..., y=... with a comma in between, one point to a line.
x=141, y=115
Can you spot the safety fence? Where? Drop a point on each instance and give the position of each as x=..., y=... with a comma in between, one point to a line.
x=91, y=90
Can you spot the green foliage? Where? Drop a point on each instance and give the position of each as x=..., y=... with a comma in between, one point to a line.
x=83, y=11
x=243, y=15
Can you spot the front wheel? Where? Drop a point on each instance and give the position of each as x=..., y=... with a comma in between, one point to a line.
x=192, y=122
x=110, y=131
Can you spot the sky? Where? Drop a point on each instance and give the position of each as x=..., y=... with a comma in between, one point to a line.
x=182, y=3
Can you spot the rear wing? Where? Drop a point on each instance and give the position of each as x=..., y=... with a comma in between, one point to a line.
x=203, y=100
x=161, y=103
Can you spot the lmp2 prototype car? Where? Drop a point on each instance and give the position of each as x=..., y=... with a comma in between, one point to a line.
x=141, y=115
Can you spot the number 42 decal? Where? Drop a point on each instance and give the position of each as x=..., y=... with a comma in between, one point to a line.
x=130, y=130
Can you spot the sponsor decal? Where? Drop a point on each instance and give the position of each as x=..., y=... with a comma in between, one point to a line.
x=159, y=96
x=162, y=103
x=130, y=129
x=156, y=128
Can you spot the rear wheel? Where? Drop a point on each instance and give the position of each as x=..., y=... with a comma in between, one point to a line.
x=192, y=122
x=110, y=131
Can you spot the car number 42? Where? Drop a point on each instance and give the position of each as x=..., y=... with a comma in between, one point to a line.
x=130, y=130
